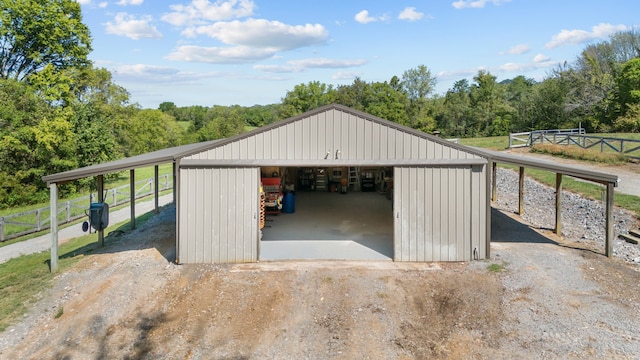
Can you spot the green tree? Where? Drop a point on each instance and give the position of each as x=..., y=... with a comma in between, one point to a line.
x=548, y=105
x=486, y=101
x=305, y=97
x=150, y=130
x=457, y=110
x=629, y=84
x=518, y=95
x=418, y=83
x=224, y=122
x=34, y=34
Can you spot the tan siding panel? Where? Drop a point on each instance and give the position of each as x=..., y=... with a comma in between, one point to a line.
x=432, y=213
x=309, y=138
x=218, y=222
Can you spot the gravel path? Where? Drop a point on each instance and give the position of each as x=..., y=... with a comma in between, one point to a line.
x=553, y=300
x=583, y=220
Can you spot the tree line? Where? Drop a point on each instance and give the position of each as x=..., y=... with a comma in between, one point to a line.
x=58, y=112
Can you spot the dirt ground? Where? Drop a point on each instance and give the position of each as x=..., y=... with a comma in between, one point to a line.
x=131, y=302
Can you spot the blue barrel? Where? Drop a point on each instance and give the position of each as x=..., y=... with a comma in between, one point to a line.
x=289, y=203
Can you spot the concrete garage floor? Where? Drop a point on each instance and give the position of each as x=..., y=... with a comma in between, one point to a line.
x=331, y=226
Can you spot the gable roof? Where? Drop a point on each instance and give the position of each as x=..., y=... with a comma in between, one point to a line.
x=175, y=153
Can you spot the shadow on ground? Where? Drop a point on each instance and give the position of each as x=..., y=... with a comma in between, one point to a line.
x=506, y=229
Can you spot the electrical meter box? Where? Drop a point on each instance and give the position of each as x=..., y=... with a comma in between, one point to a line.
x=99, y=215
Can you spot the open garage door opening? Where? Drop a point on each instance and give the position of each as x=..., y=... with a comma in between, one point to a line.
x=311, y=213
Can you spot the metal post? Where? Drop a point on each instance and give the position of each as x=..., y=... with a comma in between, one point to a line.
x=53, y=204
x=494, y=185
x=101, y=200
x=156, y=189
x=559, y=204
x=521, y=192
x=175, y=183
x=132, y=194
x=609, y=221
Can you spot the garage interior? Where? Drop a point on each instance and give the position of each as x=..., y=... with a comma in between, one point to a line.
x=335, y=213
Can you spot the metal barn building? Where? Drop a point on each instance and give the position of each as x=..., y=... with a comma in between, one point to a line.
x=439, y=208
x=441, y=190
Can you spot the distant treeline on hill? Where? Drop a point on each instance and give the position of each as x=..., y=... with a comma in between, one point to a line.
x=58, y=112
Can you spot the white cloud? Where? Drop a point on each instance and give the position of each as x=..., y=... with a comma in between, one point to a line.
x=144, y=73
x=574, y=37
x=202, y=11
x=261, y=33
x=541, y=58
x=84, y=2
x=345, y=75
x=127, y=25
x=294, y=66
x=410, y=14
x=130, y=2
x=277, y=68
x=517, y=50
x=220, y=55
x=540, y=62
x=103, y=5
x=363, y=17
x=476, y=4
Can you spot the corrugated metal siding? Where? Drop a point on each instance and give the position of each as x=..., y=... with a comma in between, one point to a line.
x=311, y=138
x=218, y=215
x=440, y=213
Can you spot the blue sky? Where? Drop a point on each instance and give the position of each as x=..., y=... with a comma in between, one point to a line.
x=247, y=52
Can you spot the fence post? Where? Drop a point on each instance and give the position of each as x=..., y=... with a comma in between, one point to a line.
x=115, y=198
x=68, y=208
x=38, y=227
x=1, y=228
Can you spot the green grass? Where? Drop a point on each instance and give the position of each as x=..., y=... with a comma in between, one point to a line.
x=492, y=143
x=497, y=267
x=578, y=153
x=22, y=278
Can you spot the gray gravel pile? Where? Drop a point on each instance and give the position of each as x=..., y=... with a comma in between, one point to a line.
x=583, y=220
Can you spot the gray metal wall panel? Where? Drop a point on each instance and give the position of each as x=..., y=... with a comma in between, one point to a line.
x=439, y=214
x=355, y=137
x=218, y=219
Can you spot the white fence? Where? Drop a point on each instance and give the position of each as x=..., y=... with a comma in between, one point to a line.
x=529, y=138
x=28, y=222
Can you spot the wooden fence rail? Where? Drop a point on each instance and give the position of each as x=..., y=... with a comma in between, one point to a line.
x=627, y=147
x=32, y=221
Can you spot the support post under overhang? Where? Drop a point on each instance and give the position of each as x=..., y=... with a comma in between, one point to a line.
x=609, y=221
x=521, y=191
x=132, y=196
x=494, y=185
x=156, y=191
x=101, y=200
x=53, y=200
x=558, y=228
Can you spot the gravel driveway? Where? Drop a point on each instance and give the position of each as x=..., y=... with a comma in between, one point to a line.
x=555, y=298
